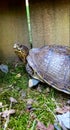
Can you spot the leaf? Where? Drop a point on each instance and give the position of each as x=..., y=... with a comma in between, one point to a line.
x=41, y=126
x=6, y=113
x=13, y=100
x=50, y=127
x=62, y=110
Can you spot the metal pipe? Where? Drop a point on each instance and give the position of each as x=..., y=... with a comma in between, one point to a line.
x=28, y=22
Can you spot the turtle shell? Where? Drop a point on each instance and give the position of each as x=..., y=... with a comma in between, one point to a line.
x=51, y=64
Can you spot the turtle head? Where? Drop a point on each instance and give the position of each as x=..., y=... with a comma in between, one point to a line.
x=21, y=51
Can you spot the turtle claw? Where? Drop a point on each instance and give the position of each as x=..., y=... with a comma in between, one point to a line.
x=33, y=82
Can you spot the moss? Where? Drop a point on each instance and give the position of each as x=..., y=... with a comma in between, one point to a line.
x=12, y=85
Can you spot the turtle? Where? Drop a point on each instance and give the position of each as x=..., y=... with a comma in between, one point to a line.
x=48, y=64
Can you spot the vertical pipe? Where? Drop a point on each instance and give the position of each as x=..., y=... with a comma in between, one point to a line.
x=28, y=22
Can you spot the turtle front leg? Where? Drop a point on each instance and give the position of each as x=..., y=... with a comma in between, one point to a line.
x=33, y=82
x=29, y=69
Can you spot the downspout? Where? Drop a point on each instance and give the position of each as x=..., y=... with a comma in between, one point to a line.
x=28, y=22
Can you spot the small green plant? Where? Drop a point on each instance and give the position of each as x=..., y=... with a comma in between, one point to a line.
x=15, y=84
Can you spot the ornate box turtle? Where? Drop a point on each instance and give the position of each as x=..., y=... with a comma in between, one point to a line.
x=49, y=64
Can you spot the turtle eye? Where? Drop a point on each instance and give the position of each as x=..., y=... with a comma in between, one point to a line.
x=20, y=46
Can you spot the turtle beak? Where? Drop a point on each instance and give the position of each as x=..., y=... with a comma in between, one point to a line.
x=15, y=46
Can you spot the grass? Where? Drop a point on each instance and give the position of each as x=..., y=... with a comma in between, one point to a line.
x=15, y=84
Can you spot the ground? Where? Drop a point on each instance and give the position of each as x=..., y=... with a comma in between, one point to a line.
x=38, y=103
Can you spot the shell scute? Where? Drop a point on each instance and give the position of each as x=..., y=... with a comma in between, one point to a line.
x=52, y=65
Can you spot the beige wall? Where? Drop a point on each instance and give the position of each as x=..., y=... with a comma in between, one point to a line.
x=13, y=28
x=49, y=21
